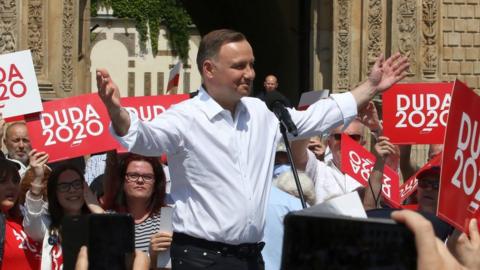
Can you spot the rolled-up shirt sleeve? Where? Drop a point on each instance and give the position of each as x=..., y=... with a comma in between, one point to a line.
x=152, y=138
x=128, y=139
x=325, y=114
x=347, y=105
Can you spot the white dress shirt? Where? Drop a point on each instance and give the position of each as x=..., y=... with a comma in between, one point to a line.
x=221, y=165
x=329, y=181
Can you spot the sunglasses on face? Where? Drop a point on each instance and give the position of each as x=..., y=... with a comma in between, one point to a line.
x=355, y=137
x=429, y=183
x=65, y=187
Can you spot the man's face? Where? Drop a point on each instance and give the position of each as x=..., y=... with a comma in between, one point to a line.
x=270, y=84
x=427, y=192
x=231, y=73
x=17, y=143
x=354, y=130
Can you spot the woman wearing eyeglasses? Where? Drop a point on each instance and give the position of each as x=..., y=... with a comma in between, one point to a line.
x=136, y=185
x=67, y=195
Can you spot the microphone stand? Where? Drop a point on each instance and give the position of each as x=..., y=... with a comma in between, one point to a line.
x=283, y=130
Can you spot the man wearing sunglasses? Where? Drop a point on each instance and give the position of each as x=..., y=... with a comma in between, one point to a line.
x=427, y=190
x=329, y=180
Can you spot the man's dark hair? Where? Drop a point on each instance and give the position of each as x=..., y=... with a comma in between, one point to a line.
x=211, y=43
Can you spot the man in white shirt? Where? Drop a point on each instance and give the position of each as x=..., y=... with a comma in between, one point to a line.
x=221, y=148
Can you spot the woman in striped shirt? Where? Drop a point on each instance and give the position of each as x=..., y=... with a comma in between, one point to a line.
x=136, y=185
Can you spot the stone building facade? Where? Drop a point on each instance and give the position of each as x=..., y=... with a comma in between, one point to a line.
x=441, y=37
x=57, y=33
x=136, y=70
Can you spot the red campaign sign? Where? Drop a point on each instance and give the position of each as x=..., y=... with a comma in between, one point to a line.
x=358, y=163
x=71, y=127
x=416, y=113
x=410, y=186
x=459, y=194
x=149, y=107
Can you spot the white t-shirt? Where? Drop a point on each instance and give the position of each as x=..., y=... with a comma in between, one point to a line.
x=329, y=180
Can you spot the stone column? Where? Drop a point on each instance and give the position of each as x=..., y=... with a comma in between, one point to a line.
x=57, y=34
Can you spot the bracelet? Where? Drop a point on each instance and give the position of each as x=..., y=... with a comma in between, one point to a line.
x=36, y=194
x=40, y=186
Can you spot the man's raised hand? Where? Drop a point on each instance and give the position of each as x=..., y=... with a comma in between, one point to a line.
x=386, y=73
x=108, y=90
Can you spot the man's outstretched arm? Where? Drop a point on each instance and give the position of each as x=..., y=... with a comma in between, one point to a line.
x=110, y=95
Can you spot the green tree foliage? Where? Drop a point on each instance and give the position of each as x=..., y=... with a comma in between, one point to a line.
x=149, y=14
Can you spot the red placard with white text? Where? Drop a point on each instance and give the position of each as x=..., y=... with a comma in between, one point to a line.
x=410, y=186
x=19, y=94
x=358, y=162
x=416, y=113
x=71, y=127
x=459, y=195
x=149, y=107
x=78, y=126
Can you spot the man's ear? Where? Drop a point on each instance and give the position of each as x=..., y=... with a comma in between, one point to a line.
x=208, y=68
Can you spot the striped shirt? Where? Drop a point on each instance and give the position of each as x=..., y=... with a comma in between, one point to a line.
x=145, y=230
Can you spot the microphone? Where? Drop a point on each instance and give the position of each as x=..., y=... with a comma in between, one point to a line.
x=276, y=103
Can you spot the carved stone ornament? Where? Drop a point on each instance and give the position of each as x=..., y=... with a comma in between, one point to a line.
x=429, y=35
x=35, y=26
x=375, y=42
x=344, y=41
x=67, y=45
x=8, y=14
x=407, y=31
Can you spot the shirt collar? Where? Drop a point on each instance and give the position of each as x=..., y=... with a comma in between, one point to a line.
x=211, y=108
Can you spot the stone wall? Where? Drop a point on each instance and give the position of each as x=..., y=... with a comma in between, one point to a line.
x=57, y=33
x=135, y=69
x=441, y=37
x=461, y=41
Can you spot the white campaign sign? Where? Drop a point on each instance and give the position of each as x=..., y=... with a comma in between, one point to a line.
x=19, y=92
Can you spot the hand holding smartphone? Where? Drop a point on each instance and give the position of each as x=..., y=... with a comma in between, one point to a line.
x=316, y=241
x=110, y=240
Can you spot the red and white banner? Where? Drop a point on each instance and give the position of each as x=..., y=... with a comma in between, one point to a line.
x=78, y=126
x=310, y=97
x=71, y=127
x=410, y=186
x=174, y=78
x=149, y=107
x=459, y=195
x=358, y=162
x=19, y=94
x=416, y=113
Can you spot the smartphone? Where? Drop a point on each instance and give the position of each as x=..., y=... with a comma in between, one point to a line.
x=74, y=235
x=316, y=241
x=110, y=240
